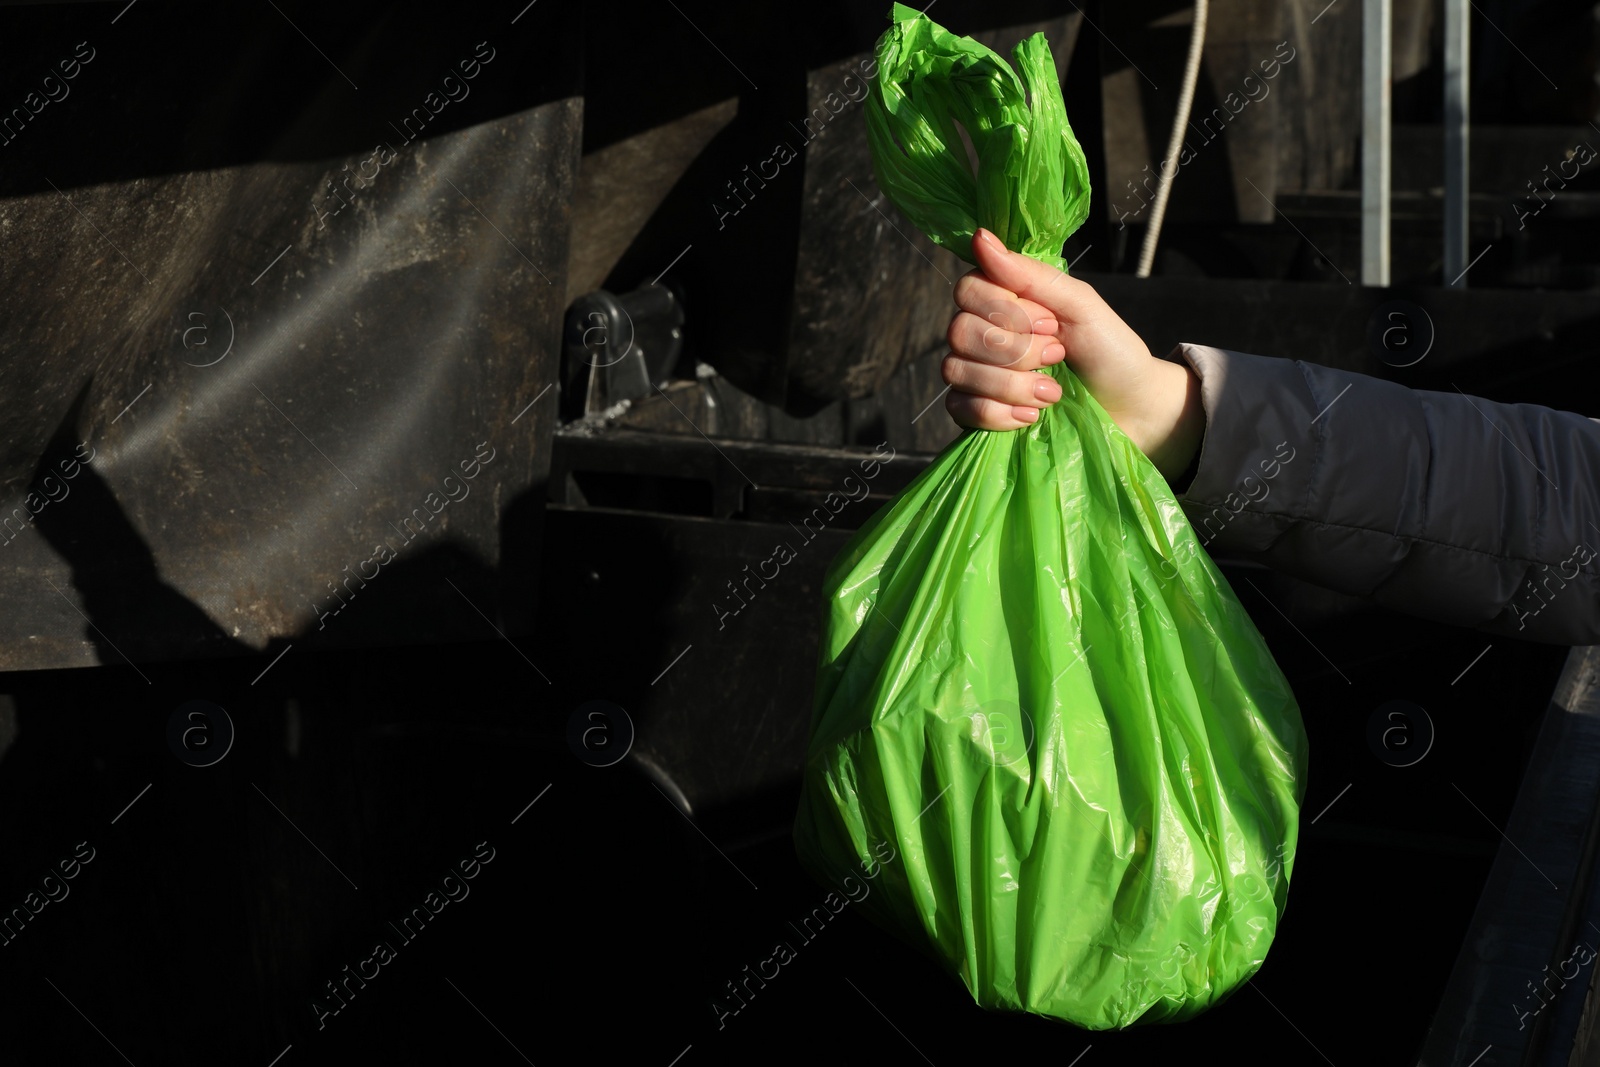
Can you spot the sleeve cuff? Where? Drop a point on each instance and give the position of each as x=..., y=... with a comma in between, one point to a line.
x=1257, y=412
x=1185, y=354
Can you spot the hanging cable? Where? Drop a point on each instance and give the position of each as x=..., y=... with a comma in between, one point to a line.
x=1191, y=73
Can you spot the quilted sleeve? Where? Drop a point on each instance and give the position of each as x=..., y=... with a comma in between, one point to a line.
x=1435, y=504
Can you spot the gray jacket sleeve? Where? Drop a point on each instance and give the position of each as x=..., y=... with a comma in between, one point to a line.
x=1435, y=504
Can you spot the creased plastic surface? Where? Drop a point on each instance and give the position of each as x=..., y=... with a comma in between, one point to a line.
x=1032, y=682
x=1032, y=184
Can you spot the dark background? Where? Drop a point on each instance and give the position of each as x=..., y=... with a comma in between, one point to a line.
x=373, y=753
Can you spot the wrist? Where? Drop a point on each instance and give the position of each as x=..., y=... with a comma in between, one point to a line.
x=1178, y=420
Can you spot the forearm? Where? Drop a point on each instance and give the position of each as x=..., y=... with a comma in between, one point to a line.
x=1434, y=504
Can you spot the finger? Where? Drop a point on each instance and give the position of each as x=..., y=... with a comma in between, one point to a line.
x=982, y=297
x=981, y=413
x=1014, y=388
x=1069, y=299
x=973, y=338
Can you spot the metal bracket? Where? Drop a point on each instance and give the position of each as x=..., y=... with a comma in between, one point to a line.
x=618, y=348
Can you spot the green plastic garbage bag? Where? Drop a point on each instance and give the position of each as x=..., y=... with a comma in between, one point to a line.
x=1033, y=686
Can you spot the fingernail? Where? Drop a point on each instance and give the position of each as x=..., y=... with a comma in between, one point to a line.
x=986, y=237
x=1047, y=390
x=1054, y=354
x=1045, y=326
x=1026, y=414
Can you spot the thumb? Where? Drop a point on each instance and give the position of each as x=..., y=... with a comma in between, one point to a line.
x=1030, y=279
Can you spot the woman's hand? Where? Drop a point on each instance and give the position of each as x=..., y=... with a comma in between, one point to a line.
x=1018, y=314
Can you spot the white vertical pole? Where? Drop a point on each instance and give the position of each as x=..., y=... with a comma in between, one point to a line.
x=1456, y=84
x=1376, y=50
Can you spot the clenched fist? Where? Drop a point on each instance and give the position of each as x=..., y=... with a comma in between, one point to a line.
x=1018, y=315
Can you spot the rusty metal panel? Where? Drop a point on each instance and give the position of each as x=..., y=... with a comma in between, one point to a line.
x=277, y=305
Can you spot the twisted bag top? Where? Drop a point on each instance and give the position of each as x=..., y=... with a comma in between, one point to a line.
x=1032, y=682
